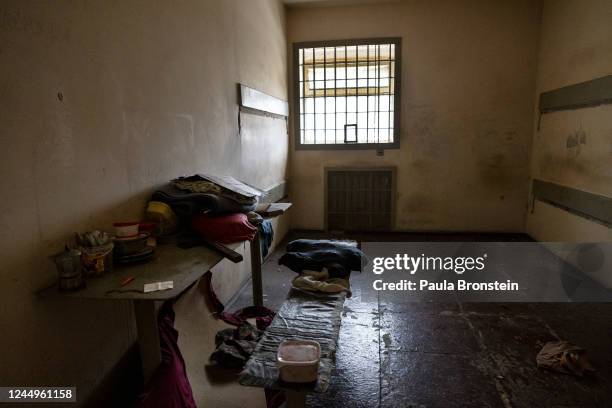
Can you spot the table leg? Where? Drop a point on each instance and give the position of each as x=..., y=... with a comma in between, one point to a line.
x=256, y=271
x=148, y=336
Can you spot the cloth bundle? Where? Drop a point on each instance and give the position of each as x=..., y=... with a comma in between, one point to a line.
x=186, y=204
x=314, y=281
x=340, y=258
x=235, y=346
x=224, y=229
x=564, y=357
x=226, y=187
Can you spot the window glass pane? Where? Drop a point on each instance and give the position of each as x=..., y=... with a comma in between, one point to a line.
x=362, y=120
x=308, y=105
x=340, y=135
x=340, y=104
x=308, y=121
x=372, y=52
x=362, y=136
x=362, y=52
x=330, y=137
x=384, y=52
x=351, y=72
x=318, y=54
x=372, y=119
x=362, y=104
x=330, y=121
x=384, y=103
x=309, y=136
x=320, y=105
x=308, y=56
x=372, y=135
x=351, y=104
x=320, y=121
x=341, y=72
x=384, y=120
x=351, y=53
x=351, y=118
x=319, y=136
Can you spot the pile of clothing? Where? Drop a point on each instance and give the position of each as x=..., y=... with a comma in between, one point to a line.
x=234, y=346
x=213, y=207
x=323, y=265
x=207, y=194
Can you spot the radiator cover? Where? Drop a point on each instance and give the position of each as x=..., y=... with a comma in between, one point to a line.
x=359, y=199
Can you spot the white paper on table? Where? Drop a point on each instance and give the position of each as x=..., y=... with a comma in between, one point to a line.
x=155, y=286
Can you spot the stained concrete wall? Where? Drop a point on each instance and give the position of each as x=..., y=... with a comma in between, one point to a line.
x=102, y=102
x=468, y=74
x=575, y=46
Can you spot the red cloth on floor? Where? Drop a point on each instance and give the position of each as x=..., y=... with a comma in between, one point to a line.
x=169, y=387
x=263, y=316
x=224, y=229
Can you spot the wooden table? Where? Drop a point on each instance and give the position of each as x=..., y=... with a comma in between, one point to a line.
x=170, y=263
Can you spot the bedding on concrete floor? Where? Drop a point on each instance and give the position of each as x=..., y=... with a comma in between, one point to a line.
x=397, y=353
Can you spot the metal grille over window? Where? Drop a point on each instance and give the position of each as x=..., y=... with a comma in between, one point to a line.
x=347, y=93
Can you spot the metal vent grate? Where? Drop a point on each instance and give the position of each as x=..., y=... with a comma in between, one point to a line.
x=360, y=199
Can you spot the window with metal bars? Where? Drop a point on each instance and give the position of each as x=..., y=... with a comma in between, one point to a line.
x=347, y=94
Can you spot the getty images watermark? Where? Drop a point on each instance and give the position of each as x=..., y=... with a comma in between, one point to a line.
x=414, y=264
x=490, y=271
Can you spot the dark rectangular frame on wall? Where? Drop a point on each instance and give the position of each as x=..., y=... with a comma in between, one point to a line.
x=295, y=100
x=391, y=169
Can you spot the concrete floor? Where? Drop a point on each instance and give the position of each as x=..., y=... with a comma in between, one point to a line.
x=396, y=353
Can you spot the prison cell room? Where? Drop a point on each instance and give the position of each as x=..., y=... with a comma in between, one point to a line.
x=306, y=203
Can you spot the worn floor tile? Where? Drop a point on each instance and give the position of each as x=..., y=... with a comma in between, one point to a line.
x=427, y=333
x=435, y=380
x=356, y=380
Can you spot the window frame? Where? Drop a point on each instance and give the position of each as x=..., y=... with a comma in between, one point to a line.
x=397, y=41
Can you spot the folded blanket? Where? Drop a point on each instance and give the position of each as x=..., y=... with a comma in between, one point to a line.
x=340, y=258
x=222, y=186
x=314, y=281
x=186, y=204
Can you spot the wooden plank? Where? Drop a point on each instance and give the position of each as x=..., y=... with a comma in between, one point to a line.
x=272, y=209
x=592, y=206
x=590, y=93
x=253, y=99
x=170, y=263
x=276, y=193
x=256, y=275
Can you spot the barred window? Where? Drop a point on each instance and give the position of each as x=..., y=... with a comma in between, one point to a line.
x=347, y=94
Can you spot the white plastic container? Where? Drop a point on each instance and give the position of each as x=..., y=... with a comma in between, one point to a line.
x=298, y=361
x=126, y=229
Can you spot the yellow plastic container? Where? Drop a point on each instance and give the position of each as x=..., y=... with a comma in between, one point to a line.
x=162, y=214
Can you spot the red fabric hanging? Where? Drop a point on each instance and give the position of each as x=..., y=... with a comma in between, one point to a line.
x=169, y=387
x=263, y=316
